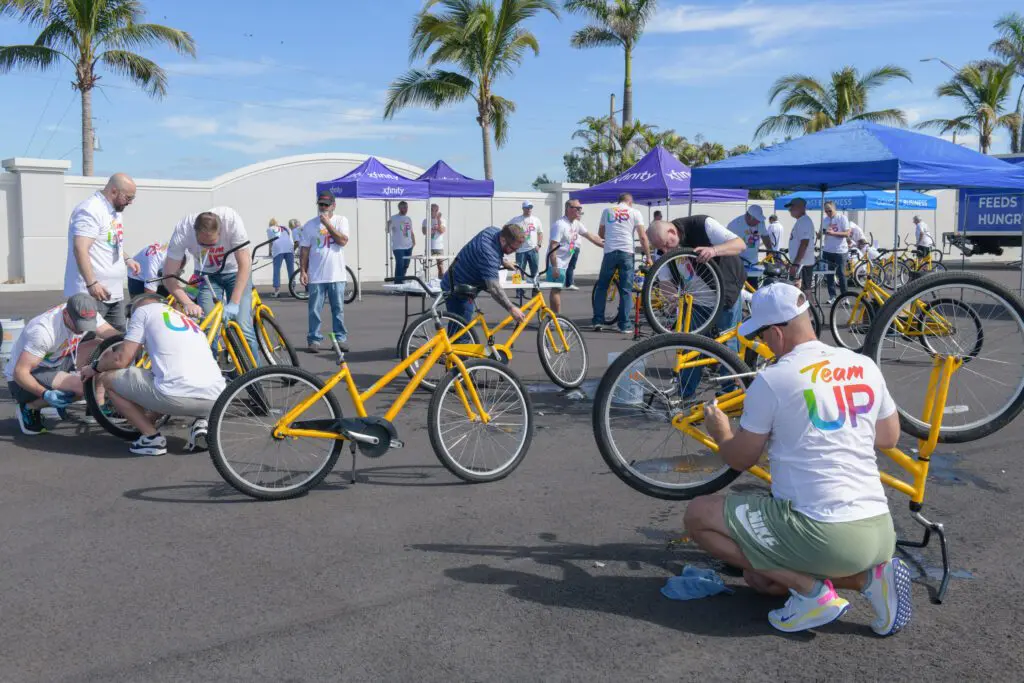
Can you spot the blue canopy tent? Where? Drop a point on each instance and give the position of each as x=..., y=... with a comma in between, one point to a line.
x=445, y=181
x=864, y=200
x=373, y=180
x=861, y=156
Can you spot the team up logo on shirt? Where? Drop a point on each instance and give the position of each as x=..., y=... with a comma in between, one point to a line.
x=115, y=233
x=67, y=348
x=618, y=215
x=154, y=249
x=180, y=323
x=845, y=394
x=213, y=257
x=325, y=240
x=406, y=227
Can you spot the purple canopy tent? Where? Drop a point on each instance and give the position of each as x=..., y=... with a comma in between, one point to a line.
x=445, y=181
x=658, y=178
x=373, y=180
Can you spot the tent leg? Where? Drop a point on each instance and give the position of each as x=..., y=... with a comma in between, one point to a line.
x=896, y=223
x=689, y=209
x=1022, y=253
x=359, y=260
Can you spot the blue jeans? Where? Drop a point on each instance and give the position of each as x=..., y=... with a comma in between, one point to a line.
x=334, y=292
x=527, y=260
x=571, y=269
x=838, y=262
x=622, y=262
x=289, y=261
x=223, y=285
x=402, y=260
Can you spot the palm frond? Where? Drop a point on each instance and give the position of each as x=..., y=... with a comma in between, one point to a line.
x=28, y=56
x=882, y=75
x=135, y=36
x=889, y=117
x=961, y=124
x=594, y=36
x=595, y=9
x=789, y=124
x=434, y=89
x=143, y=72
x=501, y=112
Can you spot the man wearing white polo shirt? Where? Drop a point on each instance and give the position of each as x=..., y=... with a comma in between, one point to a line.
x=96, y=260
x=527, y=256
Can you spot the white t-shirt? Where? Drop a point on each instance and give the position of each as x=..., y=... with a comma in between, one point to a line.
x=717, y=233
x=182, y=362
x=232, y=233
x=620, y=223
x=856, y=234
x=96, y=218
x=47, y=337
x=326, y=257
x=803, y=229
x=151, y=264
x=775, y=234
x=401, y=231
x=436, y=238
x=835, y=245
x=751, y=236
x=924, y=237
x=531, y=228
x=284, y=244
x=566, y=235
x=821, y=404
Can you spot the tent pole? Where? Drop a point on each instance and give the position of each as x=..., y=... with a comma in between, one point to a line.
x=492, y=210
x=359, y=260
x=896, y=223
x=387, y=240
x=448, y=236
x=1022, y=251
x=689, y=210
x=426, y=244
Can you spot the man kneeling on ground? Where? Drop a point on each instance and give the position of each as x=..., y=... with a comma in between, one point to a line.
x=184, y=379
x=822, y=412
x=43, y=369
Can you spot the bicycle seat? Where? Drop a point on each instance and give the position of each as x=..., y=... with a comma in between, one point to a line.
x=468, y=291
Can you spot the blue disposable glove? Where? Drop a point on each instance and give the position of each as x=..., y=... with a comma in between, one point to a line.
x=694, y=583
x=230, y=311
x=58, y=399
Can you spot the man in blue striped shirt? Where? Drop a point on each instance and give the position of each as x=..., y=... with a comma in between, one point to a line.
x=478, y=264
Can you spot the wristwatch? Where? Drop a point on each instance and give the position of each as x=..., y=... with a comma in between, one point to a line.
x=95, y=365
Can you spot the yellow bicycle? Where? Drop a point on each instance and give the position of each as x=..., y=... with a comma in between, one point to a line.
x=276, y=432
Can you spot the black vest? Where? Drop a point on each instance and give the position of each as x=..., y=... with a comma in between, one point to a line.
x=693, y=234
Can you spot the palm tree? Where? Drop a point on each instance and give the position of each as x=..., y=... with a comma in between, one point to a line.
x=597, y=140
x=809, y=106
x=89, y=33
x=1010, y=47
x=707, y=152
x=617, y=23
x=982, y=89
x=482, y=41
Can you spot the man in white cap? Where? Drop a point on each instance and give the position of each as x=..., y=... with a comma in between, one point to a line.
x=527, y=257
x=748, y=227
x=821, y=411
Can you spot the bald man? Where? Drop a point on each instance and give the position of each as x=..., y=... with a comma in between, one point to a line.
x=97, y=263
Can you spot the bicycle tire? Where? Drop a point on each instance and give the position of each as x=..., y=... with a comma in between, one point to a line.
x=351, y=286
x=936, y=255
x=933, y=267
x=603, y=400
x=895, y=306
x=261, y=340
x=970, y=313
x=864, y=325
x=296, y=288
x=405, y=345
x=709, y=271
x=895, y=275
x=126, y=432
x=217, y=416
x=435, y=418
x=239, y=345
x=611, y=299
x=860, y=274
x=576, y=377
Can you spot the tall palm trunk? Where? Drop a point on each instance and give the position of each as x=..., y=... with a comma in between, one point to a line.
x=87, y=131
x=627, y=89
x=485, y=131
x=1015, y=133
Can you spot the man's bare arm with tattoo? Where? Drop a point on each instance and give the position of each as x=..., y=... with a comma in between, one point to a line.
x=495, y=289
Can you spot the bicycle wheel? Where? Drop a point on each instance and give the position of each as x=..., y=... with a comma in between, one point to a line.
x=274, y=345
x=244, y=449
x=296, y=288
x=610, y=310
x=674, y=275
x=933, y=267
x=237, y=342
x=351, y=286
x=953, y=314
x=420, y=331
x=895, y=275
x=640, y=394
x=472, y=450
x=860, y=273
x=566, y=364
x=106, y=414
x=937, y=255
x=850, y=321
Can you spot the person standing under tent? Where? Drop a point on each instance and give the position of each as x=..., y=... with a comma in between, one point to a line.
x=656, y=216
x=801, y=244
x=618, y=225
x=322, y=269
x=772, y=237
x=437, y=231
x=565, y=234
x=834, y=249
x=282, y=250
x=923, y=238
x=96, y=263
x=527, y=257
x=748, y=228
x=403, y=240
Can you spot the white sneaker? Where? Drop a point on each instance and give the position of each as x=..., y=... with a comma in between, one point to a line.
x=197, y=440
x=573, y=288
x=801, y=613
x=149, y=445
x=888, y=590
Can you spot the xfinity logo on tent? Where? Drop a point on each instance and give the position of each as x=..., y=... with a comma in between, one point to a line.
x=641, y=177
x=393, y=190
x=381, y=176
x=679, y=175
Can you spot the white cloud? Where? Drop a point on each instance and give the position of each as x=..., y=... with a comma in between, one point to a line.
x=221, y=67
x=765, y=21
x=190, y=126
x=703, y=64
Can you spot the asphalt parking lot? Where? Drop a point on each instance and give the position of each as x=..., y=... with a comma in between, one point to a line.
x=125, y=568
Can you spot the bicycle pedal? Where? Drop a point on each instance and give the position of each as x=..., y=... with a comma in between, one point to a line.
x=395, y=443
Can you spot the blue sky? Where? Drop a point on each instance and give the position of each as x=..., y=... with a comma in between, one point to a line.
x=294, y=78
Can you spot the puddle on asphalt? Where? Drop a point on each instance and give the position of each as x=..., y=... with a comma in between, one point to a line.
x=922, y=568
x=945, y=470
x=585, y=392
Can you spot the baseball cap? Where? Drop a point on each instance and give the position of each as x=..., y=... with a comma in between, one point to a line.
x=325, y=195
x=773, y=304
x=755, y=211
x=82, y=309
x=527, y=204
x=795, y=200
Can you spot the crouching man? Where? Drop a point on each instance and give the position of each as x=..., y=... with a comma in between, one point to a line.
x=184, y=379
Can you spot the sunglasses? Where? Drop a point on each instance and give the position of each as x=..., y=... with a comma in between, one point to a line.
x=323, y=206
x=577, y=208
x=760, y=332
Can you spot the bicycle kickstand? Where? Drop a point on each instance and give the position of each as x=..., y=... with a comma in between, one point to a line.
x=940, y=531
x=352, y=475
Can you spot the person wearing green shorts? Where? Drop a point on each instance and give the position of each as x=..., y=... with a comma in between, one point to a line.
x=565, y=235
x=821, y=412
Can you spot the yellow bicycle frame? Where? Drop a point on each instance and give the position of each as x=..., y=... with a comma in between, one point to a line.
x=908, y=323
x=537, y=306
x=440, y=345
